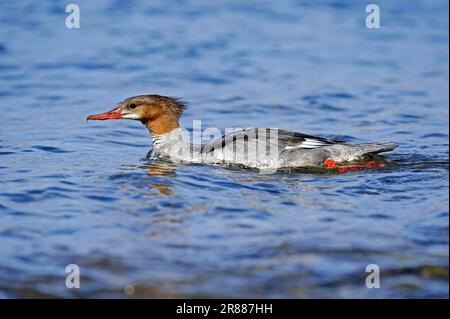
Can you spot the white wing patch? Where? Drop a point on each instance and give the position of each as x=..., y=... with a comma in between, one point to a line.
x=307, y=143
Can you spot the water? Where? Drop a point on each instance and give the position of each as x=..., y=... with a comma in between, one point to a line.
x=82, y=193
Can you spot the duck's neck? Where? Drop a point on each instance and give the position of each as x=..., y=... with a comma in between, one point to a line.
x=167, y=138
x=162, y=125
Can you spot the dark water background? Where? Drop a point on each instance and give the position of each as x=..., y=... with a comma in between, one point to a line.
x=80, y=193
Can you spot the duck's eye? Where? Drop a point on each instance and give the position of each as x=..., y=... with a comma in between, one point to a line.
x=132, y=106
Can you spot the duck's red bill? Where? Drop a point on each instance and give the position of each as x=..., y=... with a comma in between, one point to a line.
x=111, y=115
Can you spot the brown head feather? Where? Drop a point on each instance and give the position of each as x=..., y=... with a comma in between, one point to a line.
x=159, y=113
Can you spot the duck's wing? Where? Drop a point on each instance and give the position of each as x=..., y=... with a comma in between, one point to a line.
x=293, y=140
x=284, y=140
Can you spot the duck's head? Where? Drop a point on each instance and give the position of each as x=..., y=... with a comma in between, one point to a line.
x=159, y=113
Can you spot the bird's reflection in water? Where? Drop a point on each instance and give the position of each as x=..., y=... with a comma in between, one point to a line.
x=161, y=169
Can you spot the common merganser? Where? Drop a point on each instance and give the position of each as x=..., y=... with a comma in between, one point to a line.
x=261, y=148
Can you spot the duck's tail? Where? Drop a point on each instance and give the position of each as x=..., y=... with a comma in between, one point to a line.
x=376, y=148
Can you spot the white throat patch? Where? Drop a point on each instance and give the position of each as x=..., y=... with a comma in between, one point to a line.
x=131, y=116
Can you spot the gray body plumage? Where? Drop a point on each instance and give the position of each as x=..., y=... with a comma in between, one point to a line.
x=262, y=149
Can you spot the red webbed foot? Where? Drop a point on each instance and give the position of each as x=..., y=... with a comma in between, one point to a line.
x=329, y=163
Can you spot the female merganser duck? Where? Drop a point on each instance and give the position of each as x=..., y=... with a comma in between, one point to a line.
x=261, y=148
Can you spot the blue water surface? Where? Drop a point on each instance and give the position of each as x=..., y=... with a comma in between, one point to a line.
x=82, y=193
